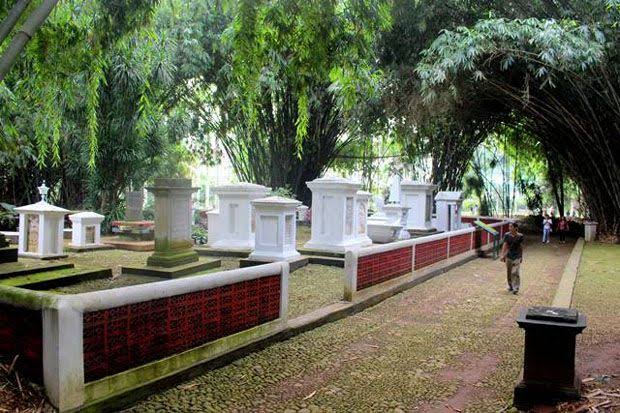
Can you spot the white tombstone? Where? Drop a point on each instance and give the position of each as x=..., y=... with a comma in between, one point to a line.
x=448, y=204
x=418, y=196
x=589, y=229
x=395, y=189
x=41, y=228
x=334, y=214
x=363, y=198
x=302, y=213
x=276, y=229
x=398, y=214
x=86, y=229
x=232, y=225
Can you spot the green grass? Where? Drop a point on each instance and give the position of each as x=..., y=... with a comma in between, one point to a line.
x=597, y=293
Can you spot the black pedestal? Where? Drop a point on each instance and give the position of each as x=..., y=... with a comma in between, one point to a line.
x=549, y=360
x=8, y=254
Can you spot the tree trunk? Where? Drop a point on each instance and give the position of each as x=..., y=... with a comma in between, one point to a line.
x=24, y=34
x=11, y=19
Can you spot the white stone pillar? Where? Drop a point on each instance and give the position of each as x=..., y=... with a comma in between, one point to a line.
x=276, y=229
x=448, y=204
x=234, y=221
x=82, y=221
x=418, y=196
x=333, y=214
x=589, y=229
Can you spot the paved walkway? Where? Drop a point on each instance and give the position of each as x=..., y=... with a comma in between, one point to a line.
x=450, y=344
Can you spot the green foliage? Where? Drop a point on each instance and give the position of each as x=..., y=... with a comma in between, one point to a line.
x=541, y=48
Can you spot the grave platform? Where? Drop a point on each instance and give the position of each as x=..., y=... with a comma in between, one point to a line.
x=129, y=244
x=8, y=254
x=57, y=278
x=12, y=236
x=17, y=269
x=299, y=262
x=294, y=264
x=87, y=248
x=173, y=272
x=221, y=252
x=313, y=252
x=417, y=233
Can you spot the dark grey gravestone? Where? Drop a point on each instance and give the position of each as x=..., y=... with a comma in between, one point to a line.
x=133, y=205
x=549, y=357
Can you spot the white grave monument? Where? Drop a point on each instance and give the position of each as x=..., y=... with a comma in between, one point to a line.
x=302, y=212
x=448, y=204
x=86, y=230
x=41, y=228
x=397, y=214
x=276, y=229
x=232, y=225
x=334, y=215
x=395, y=189
x=363, y=198
x=418, y=196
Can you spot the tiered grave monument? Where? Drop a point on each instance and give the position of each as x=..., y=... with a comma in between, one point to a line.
x=334, y=215
x=448, y=205
x=398, y=214
x=418, y=196
x=232, y=225
x=276, y=229
x=174, y=254
x=41, y=229
x=86, y=234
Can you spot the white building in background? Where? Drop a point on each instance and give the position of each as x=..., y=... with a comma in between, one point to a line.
x=448, y=206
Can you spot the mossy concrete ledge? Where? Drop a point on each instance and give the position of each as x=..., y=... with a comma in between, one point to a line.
x=174, y=272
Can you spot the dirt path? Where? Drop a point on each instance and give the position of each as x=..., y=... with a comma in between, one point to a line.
x=450, y=343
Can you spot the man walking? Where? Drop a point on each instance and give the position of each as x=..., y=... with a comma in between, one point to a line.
x=512, y=255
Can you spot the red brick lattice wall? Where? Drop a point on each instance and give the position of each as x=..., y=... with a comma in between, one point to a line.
x=121, y=338
x=430, y=252
x=21, y=333
x=377, y=268
x=460, y=244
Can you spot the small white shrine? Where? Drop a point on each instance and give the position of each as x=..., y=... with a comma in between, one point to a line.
x=418, y=196
x=448, y=205
x=232, y=224
x=276, y=229
x=334, y=215
x=86, y=230
x=41, y=228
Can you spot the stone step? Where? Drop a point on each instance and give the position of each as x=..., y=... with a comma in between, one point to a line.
x=17, y=269
x=59, y=278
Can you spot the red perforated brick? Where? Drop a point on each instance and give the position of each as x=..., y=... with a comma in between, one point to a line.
x=121, y=338
x=377, y=268
x=21, y=333
x=460, y=244
x=430, y=252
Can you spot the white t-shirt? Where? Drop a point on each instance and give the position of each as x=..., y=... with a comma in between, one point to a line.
x=547, y=223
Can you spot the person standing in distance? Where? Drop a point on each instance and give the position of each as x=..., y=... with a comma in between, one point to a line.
x=547, y=224
x=512, y=255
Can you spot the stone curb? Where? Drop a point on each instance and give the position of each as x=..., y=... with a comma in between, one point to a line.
x=564, y=294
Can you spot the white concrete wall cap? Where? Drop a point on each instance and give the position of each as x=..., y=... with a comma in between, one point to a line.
x=99, y=300
x=334, y=182
x=363, y=195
